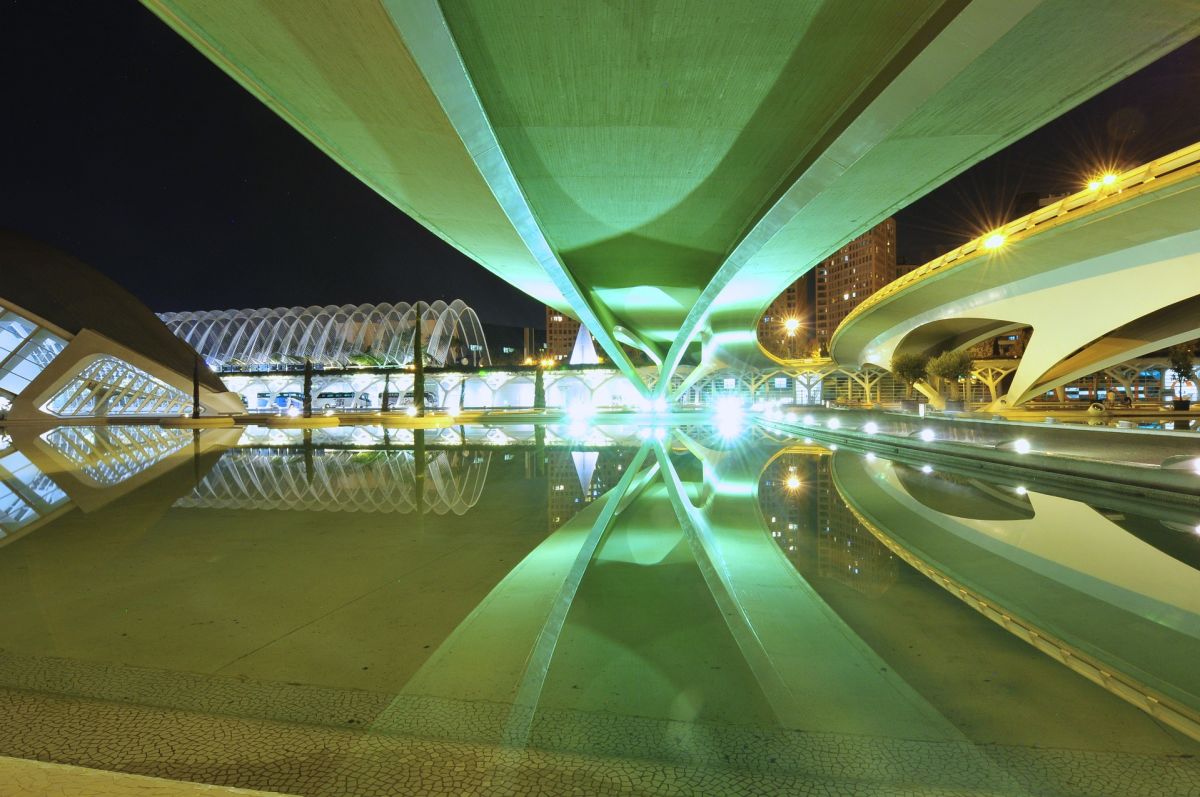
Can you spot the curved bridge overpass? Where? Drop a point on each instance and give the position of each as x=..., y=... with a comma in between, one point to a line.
x=662, y=171
x=1102, y=276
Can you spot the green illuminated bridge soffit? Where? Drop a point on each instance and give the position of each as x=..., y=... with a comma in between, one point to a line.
x=663, y=170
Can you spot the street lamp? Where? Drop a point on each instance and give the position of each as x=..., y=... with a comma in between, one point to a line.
x=791, y=326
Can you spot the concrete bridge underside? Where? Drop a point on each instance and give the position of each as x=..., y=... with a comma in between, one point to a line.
x=662, y=171
x=1100, y=279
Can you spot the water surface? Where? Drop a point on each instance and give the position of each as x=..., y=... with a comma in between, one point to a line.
x=617, y=609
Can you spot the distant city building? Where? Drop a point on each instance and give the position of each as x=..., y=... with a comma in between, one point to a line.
x=561, y=331
x=801, y=320
x=1010, y=345
x=786, y=328
x=510, y=345
x=565, y=346
x=847, y=277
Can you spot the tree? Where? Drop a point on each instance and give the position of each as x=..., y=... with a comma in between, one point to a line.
x=539, y=390
x=909, y=369
x=419, y=370
x=1183, y=363
x=951, y=366
x=308, y=377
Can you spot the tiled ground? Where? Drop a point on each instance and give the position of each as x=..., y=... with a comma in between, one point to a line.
x=310, y=741
x=22, y=778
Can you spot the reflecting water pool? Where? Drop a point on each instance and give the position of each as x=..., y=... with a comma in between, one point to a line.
x=588, y=608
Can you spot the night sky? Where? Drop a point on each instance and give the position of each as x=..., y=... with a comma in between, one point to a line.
x=124, y=146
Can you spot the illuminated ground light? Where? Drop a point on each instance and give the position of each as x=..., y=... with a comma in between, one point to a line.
x=870, y=427
x=927, y=435
x=1022, y=446
x=926, y=469
x=994, y=241
x=1021, y=490
x=870, y=455
x=834, y=423
x=809, y=420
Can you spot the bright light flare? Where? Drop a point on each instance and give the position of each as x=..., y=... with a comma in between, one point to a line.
x=1022, y=446
x=793, y=482
x=791, y=326
x=994, y=241
x=293, y=412
x=927, y=435
x=926, y=469
x=411, y=411
x=580, y=411
x=834, y=423
x=870, y=427
x=730, y=416
x=1021, y=490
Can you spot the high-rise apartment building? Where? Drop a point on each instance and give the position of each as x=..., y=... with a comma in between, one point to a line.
x=786, y=327
x=561, y=331
x=851, y=274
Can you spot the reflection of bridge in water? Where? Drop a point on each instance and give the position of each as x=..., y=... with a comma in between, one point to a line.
x=343, y=481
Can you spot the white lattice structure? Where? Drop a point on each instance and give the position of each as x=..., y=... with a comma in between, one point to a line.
x=374, y=334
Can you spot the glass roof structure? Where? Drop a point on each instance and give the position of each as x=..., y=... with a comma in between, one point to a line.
x=25, y=350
